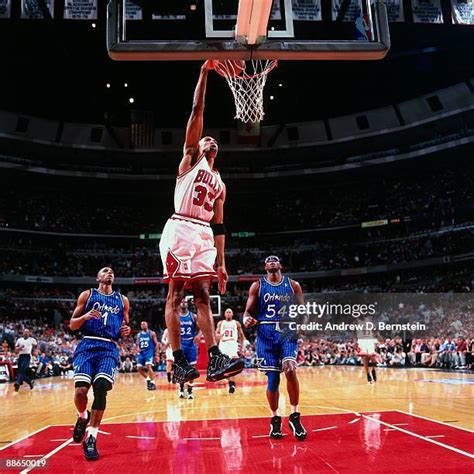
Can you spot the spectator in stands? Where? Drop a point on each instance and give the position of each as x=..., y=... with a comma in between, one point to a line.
x=446, y=353
x=460, y=354
x=127, y=366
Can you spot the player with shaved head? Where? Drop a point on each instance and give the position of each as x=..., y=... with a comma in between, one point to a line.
x=102, y=316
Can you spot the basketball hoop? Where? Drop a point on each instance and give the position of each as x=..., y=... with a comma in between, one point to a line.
x=247, y=81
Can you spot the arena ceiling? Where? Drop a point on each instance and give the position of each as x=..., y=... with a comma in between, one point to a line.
x=60, y=70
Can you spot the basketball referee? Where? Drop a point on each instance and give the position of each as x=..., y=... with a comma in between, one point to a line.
x=24, y=346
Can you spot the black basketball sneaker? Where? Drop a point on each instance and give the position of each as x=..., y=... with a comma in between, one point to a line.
x=374, y=376
x=297, y=427
x=222, y=366
x=231, y=387
x=275, y=427
x=90, y=449
x=80, y=427
x=183, y=372
x=369, y=378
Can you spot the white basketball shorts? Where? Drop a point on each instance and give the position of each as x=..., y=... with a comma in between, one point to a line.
x=229, y=348
x=187, y=249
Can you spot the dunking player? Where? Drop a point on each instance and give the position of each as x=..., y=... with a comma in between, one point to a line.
x=190, y=336
x=192, y=239
x=269, y=298
x=148, y=345
x=102, y=316
x=230, y=336
x=168, y=354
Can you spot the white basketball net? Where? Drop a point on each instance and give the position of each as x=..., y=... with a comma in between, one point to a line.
x=247, y=86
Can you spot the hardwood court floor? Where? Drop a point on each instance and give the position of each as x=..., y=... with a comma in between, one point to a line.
x=394, y=419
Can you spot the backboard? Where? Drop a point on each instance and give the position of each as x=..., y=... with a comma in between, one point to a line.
x=144, y=30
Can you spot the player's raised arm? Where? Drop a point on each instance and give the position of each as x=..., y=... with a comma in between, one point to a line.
x=196, y=121
x=78, y=317
x=251, y=306
x=218, y=228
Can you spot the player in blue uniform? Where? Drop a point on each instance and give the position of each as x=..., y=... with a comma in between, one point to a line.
x=277, y=346
x=147, y=342
x=190, y=335
x=102, y=316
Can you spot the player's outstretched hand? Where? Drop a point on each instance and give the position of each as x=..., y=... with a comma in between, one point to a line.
x=249, y=321
x=222, y=277
x=125, y=331
x=92, y=314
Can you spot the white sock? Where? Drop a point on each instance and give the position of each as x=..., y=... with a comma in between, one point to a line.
x=274, y=412
x=92, y=431
x=82, y=414
x=294, y=408
x=148, y=379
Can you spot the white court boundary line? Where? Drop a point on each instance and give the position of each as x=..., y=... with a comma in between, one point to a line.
x=446, y=446
x=47, y=456
x=25, y=437
x=416, y=435
x=324, y=429
x=105, y=422
x=436, y=421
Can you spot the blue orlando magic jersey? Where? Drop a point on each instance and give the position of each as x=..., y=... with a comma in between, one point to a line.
x=188, y=327
x=111, y=309
x=274, y=300
x=145, y=342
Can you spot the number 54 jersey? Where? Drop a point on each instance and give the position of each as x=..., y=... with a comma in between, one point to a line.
x=187, y=242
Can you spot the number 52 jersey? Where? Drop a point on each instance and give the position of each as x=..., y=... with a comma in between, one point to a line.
x=187, y=242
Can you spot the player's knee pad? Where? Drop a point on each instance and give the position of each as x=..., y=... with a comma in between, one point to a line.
x=82, y=385
x=101, y=386
x=273, y=381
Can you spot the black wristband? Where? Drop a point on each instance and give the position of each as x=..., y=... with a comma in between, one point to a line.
x=218, y=229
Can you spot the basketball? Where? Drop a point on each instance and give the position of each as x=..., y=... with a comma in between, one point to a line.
x=228, y=68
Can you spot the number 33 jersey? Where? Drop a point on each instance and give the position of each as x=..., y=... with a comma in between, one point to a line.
x=196, y=191
x=111, y=310
x=187, y=242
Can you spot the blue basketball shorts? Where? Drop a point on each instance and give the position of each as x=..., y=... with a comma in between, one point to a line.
x=189, y=350
x=145, y=358
x=95, y=358
x=273, y=348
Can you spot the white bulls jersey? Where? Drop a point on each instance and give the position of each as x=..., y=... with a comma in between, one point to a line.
x=229, y=331
x=196, y=191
